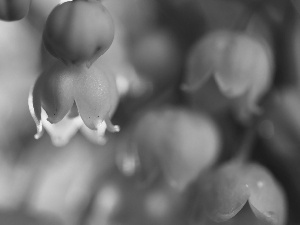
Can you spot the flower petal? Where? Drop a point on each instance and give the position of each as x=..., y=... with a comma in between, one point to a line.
x=202, y=61
x=95, y=96
x=262, y=78
x=224, y=192
x=244, y=61
x=57, y=91
x=244, y=217
x=114, y=92
x=35, y=107
x=266, y=196
x=230, y=90
x=95, y=136
x=61, y=132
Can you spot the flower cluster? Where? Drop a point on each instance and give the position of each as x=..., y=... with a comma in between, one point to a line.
x=206, y=93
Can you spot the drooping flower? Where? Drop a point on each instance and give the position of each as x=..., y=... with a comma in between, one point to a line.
x=241, y=64
x=180, y=142
x=66, y=92
x=226, y=191
x=13, y=10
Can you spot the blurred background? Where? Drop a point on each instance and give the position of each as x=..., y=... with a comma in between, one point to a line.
x=150, y=172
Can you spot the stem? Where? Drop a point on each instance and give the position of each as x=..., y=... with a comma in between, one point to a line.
x=248, y=140
x=246, y=146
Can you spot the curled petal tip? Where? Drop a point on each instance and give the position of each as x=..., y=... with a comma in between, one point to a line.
x=100, y=128
x=115, y=128
x=100, y=133
x=34, y=109
x=50, y=120
x=96, y=136
x=37, y=136
x=111, y=127
x=40, y=130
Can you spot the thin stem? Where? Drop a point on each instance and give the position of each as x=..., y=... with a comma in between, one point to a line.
x=248, y=140
x=246, y=146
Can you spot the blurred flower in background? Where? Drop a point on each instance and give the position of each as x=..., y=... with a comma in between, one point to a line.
x=224, y=150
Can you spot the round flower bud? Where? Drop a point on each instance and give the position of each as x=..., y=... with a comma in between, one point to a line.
x=78, y=31
x=12, y=10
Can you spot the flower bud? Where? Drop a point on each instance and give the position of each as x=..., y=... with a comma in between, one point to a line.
x=78, y=31
x=12, y=10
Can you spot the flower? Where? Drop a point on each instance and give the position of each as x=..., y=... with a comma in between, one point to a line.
x=225, y=191
x=78, y=32
x=241, y=64
x=12, y=10
x=62, y=93
x=181, y=142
